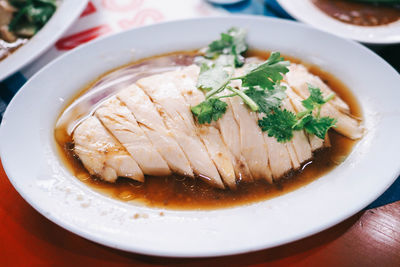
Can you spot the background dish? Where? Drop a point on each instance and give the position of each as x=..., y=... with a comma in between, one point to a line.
x=65, y=15
x=49, y=187
x=307, y=12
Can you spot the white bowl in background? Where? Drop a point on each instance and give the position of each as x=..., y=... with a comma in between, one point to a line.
x=307, y=12
x=65, y=15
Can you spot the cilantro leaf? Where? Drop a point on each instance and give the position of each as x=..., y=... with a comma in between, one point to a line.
x=238, y=58
x=266, y=74
x=209, y=110
x=239, y=40
x=212, y=78
x=302, y=121
x=315, y=99
x=219, y=47
x=267, y=100
x=279, y=124
x=222, y=61
x=231, y=43
x=225, y=61
x=319, y=126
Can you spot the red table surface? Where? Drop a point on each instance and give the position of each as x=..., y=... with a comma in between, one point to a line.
x=369, y=238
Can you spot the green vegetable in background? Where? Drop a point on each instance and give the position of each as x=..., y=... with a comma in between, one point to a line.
x=31, y=16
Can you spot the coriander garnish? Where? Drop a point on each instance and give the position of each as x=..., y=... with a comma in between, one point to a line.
x=262, y=91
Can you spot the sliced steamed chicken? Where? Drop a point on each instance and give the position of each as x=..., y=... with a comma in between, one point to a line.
x=315, y=142
x=152, y=124
x=278, y=155
x=185, y=81
x=282, y=157
x=176, y=113
x=252, y=145
x=279, y=158
x=298, y=78
x=117, y=118
x=299, y=141
x=101, y=154
x=231, y=135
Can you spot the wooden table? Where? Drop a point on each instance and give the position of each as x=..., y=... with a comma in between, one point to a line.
x=369, y=238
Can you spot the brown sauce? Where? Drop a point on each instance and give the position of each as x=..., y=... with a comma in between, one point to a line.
x=174, y=192
x=361, y=14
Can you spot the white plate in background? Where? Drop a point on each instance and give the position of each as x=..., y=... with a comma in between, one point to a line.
x=307, y=12
x=66, y=13
x=32, y=163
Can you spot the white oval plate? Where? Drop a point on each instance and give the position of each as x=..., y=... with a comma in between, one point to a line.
x=32, y=163
x=306, y=11
x=65, y=15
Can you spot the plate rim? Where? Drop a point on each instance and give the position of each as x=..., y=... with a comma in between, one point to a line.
x=247, y=249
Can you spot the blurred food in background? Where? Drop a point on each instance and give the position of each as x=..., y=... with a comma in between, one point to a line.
x=361, y=12
x=20, y=20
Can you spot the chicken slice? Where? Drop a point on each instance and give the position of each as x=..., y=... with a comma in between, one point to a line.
x=252, y=144
x=219, y=154
x=315, y=142
x=153, y=125
x=231, y=135
x=279, y=158
x=117, y=118
x=101, y=154
x=346, y=125
x=292, y=154
x=253, y=147
x=299, y=77
x=185, y=81
x=278, y=155
x=299, y=142
x=176, y=113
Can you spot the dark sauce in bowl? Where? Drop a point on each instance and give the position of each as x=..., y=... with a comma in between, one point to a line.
x=357, y=13
x=175, y=192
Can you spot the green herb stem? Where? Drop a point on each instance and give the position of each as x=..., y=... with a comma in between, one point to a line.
x=226, y=96
x=216, y=90
x=329, y=97
x=252, y=105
